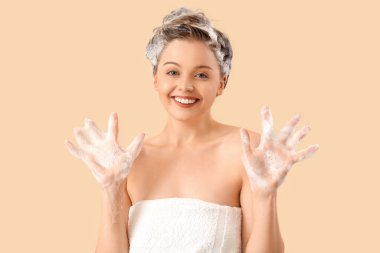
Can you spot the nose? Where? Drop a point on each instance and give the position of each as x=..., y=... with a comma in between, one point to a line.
x=186, y=85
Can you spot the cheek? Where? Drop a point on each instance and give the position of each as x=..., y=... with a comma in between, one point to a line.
x=164, y=86
x=208, y=89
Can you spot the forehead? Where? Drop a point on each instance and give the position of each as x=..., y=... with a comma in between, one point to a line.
x=188, y=53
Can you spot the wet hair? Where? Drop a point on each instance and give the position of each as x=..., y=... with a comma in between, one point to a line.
x=183, y=23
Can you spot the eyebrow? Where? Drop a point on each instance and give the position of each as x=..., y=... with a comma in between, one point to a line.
x=199, y=66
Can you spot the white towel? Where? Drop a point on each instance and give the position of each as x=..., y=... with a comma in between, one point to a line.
x=185, y=225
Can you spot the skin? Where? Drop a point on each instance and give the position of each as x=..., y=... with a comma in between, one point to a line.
x=102, y=154
x=196, y=156
x=268, y=164
x=186, y=159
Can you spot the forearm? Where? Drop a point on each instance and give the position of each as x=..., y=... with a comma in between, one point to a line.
x=265, y=236
x=112, y=237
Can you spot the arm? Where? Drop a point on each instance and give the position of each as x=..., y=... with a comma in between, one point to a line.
x=266, y=167
x=265, y=236
x=112, y=236
x=109, y=164
x=260, y=228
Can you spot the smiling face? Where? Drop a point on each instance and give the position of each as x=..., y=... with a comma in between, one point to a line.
x=188, y=78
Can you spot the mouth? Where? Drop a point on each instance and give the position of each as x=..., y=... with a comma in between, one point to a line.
x=185, y=101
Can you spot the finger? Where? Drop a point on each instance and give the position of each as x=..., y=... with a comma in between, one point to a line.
x=244, y=136
x=135, y=146
x=112, y=126
x=287, y=130
x=94, y=132
x=72, y=149
x=297, y=137
x=81, y=137
x=305, y=153
x=267, y=125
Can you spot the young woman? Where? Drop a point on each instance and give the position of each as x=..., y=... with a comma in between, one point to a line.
x=199, y=185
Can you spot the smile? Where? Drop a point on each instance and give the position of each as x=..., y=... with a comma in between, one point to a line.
x=184, y=102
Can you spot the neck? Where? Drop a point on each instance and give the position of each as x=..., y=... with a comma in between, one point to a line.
x=187, y=132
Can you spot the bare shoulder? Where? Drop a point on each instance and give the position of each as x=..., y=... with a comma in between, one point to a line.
x=138, y=163
x=246, y=200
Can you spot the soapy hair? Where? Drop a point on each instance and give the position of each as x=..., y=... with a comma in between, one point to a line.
x=183, y=23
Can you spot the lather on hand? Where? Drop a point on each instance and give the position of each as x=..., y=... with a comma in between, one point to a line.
x=102, y=154
x=269, y=163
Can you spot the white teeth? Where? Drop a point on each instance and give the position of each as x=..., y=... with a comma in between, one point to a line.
x=185, y=101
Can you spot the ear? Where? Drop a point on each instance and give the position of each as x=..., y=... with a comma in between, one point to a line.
x=223, y=83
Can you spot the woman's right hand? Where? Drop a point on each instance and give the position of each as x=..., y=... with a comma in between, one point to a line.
x=101, y=152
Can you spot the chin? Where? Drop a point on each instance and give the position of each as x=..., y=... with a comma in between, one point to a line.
x=183, y=116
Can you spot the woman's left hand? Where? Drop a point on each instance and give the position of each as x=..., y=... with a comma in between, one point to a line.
x=268, y=164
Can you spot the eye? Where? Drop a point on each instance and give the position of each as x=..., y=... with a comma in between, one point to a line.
x=203, y=75
x=171, y=71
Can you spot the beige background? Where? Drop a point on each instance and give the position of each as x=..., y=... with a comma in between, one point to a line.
x=61, y=61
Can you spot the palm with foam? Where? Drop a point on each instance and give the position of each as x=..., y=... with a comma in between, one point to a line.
x=101, y=152
x=268, y=164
